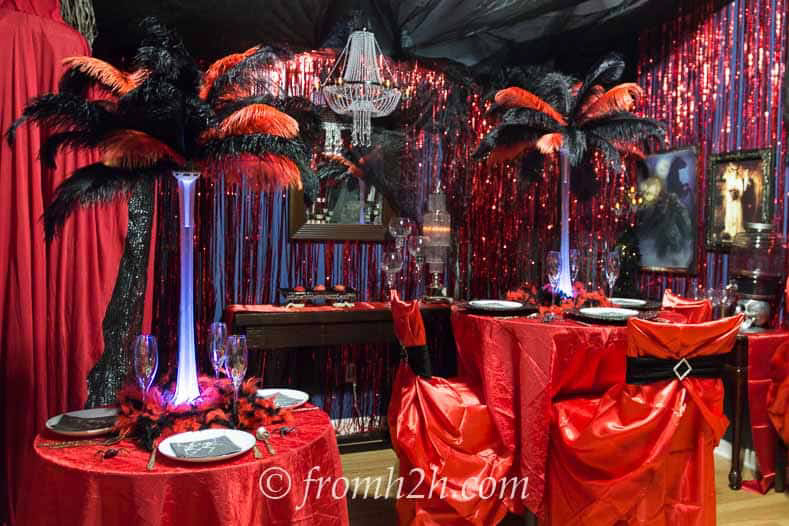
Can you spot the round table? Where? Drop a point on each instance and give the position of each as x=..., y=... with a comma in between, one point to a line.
x=522, y=364
x=75, y=486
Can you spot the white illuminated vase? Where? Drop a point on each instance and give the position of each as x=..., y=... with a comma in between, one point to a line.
x=186, y=388
x=565, y=282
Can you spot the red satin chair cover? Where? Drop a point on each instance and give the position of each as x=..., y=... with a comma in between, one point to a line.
x=409, y=327
x=696, y=311
x=778, y=393
x=442, y=432
x=642, y=454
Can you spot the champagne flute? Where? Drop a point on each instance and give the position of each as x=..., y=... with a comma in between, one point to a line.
x=574, y=264
x=417, y=247
x=218, y=343
x=553, y=266
x=236, y=361
x=391, y=264
x=145, y=354
x=612, y=266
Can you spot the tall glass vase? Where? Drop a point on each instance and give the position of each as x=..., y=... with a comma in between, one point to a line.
x=186, y=388
x=565, y=283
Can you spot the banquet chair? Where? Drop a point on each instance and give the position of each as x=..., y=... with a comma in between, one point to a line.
x=642, y=454
x=696, y=311
x=442, y=430
x=778, y=410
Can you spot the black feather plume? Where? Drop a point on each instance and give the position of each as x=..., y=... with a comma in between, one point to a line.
x=626, y=127
x=68, y=139
x=256, y=144
x=92, y=184
x=247, y=74
x=64, y=111
x=607, y=71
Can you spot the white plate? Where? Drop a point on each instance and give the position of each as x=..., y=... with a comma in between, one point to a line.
x=242, y=439
x=495, y=305
x=285, y=398
x=84, y=413
x=609, y=313
x=627, y=302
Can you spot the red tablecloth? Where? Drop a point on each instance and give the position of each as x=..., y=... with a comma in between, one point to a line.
x=73, y=486
x=761, y=347
x=522, y=364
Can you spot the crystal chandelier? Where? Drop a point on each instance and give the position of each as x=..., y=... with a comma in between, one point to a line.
x=361, y=91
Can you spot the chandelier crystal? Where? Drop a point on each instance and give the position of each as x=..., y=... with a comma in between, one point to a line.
x=361, y=91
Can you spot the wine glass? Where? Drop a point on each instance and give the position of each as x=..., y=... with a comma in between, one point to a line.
x=575, y=262
x=218, y=346
x=145, y=354
x=391, y=264
x=715, y=296
x=417, y=247
x=236, y=361
x=553, y=266
x=400, y=228
x=612, y=266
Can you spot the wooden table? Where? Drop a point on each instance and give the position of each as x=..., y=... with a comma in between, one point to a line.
x=276, y=328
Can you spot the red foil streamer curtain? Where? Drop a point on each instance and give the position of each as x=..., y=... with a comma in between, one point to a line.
x=714, y=76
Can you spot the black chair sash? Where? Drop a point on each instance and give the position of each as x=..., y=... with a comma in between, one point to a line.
x=648, y=369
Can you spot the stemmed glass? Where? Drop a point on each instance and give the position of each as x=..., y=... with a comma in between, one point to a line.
x=236, y=360
x=612, y=265
x=391, y=265
x=553, y=266
x=400, y=228
x=417, y=246
x=574, y=264
x=146, y=361
x=218, y=346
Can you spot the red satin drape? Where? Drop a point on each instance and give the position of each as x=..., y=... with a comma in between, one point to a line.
x=52, y=298
x=767, y=399
x=778, y=394
x=642, y=454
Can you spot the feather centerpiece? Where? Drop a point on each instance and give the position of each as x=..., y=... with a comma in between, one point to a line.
x=554, y=113
x=166, y=110
x=165, y=120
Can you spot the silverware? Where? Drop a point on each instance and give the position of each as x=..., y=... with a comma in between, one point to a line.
x=263, y=434
x=60, y=444
x=303, y=409
x=256, y=451
x=152, y=460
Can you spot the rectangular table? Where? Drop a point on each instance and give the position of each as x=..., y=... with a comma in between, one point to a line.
x=269, y=327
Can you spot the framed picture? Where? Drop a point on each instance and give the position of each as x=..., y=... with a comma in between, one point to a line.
x=739, y=192
x=667, y=220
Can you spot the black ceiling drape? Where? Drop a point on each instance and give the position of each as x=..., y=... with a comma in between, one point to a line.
x=471, y=32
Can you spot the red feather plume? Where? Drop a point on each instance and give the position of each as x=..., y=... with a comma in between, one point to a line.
x=135, y=149
x=619, y=98
x=508, y=152
x=115, y=80
x=515, y=97
x=219, y=67
x=550, y=143
x=265, y=173
x=256, y=118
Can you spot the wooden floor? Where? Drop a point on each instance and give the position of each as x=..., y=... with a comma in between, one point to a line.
x=735, y=508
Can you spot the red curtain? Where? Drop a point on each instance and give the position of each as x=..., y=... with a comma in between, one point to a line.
x=52, y=297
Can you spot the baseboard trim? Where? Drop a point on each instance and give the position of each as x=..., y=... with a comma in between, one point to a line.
x=748, y=455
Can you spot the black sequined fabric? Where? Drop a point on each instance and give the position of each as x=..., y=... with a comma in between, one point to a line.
x=123, y=319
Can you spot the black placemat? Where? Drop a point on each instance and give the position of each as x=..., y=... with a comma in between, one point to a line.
x=209, y=447
x=72, y=423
